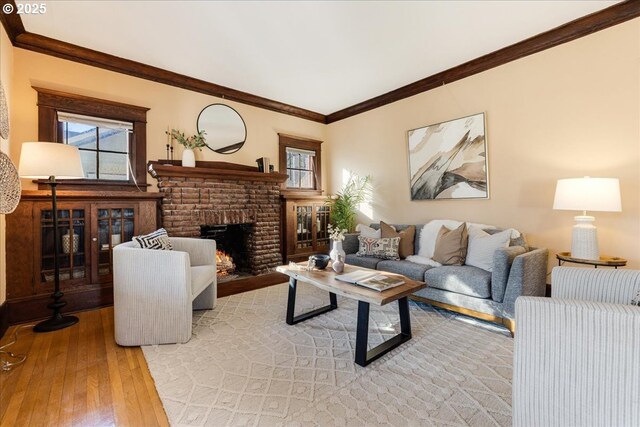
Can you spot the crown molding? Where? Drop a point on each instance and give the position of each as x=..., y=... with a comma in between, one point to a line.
x=575, y=29
x=12, y=22
x=613, y=15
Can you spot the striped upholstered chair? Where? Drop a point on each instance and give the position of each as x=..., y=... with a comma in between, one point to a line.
x=155, y=291
x=577, y=354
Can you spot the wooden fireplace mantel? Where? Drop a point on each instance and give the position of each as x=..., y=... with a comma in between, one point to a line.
x=204, y=169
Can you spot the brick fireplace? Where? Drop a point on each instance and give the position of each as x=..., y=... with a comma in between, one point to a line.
x=215, y=193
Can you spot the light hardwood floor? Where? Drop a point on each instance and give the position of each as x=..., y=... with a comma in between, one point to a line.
x=78, y=376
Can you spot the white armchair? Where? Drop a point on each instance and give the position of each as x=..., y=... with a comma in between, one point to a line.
x=155, y=291
x=577, y=354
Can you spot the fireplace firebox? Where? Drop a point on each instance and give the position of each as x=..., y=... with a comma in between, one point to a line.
x=232, y=245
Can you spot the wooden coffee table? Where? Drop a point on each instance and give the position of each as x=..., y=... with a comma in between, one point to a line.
x=325, y=279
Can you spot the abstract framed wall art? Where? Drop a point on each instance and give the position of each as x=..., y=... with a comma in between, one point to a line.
x=448, y=160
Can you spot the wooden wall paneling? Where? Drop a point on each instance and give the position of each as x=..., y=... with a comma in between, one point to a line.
x=147, y=217
x=20, y=234
x=4, y=318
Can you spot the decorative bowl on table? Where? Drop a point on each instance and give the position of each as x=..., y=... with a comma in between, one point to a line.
x=320, y=261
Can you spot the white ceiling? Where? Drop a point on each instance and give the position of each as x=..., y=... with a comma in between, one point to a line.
x=322, y=56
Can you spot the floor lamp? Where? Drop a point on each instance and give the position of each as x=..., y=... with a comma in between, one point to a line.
x=52, y=161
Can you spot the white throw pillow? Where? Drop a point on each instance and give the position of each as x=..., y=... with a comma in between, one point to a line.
x=366, y=231
x=482, y=245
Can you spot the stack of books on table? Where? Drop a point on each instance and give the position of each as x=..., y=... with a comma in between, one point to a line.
x=372, y=280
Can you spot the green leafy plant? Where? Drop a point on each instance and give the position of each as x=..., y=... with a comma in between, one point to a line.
x=191, y=142
x=344, y=204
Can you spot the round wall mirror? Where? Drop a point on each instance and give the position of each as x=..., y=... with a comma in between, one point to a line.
x=225, y=129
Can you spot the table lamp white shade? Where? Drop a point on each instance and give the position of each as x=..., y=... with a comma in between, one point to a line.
x=587, y=194
x=40, y=160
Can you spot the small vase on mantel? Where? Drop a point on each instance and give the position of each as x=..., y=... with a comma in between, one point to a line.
x=188, y=158
x=336, y=250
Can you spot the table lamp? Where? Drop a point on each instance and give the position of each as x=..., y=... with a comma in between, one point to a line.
x=587, y=194
x=52, y=161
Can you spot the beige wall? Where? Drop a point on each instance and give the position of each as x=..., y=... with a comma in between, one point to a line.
x=566, y=112
x=169, y=106
x=6, y=73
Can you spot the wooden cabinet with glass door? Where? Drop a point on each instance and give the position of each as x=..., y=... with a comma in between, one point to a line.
x=72, y=244
x=90, y=224
x=304, y=227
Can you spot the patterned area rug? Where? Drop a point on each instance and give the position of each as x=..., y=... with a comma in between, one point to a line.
x=246, y=366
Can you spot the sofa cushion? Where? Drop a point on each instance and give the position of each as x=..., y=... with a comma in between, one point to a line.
x=362, y=261
x=463, y=279
x=201, y=277
x=406, y=238
x=406, y=268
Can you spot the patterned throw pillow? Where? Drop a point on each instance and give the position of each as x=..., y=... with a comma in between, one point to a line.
x=636, y=300
x=385, y=248
x=159, y=239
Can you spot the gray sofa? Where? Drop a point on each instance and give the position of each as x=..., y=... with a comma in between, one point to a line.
x=517, y=270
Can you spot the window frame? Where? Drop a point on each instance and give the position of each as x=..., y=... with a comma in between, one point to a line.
x=51, y=101
x=288, y=141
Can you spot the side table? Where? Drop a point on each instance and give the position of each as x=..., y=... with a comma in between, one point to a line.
x=604, y=261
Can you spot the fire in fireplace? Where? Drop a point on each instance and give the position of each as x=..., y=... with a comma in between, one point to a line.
x=232, y=244
x=224, y=263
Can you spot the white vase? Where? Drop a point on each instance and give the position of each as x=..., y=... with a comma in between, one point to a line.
x=188, y=158
x=336, y=249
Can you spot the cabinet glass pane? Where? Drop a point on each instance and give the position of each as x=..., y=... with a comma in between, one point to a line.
x=304, y=231
x=115, y=225
x=71, y=235
x=116, y=232
x=322, y=222
x=128, y=230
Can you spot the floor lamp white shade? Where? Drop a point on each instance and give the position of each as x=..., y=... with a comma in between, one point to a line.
x=587, y=194
x=40, y=160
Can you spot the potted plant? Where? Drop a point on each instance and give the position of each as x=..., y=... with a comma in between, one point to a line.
x=344, y=209
x=189, y=143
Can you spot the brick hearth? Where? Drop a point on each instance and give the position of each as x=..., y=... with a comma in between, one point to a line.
x=223, y=193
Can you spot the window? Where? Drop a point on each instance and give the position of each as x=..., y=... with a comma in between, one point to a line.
x=103, y=145
x=111, y=137
x=300, y=168
x=300, y=159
